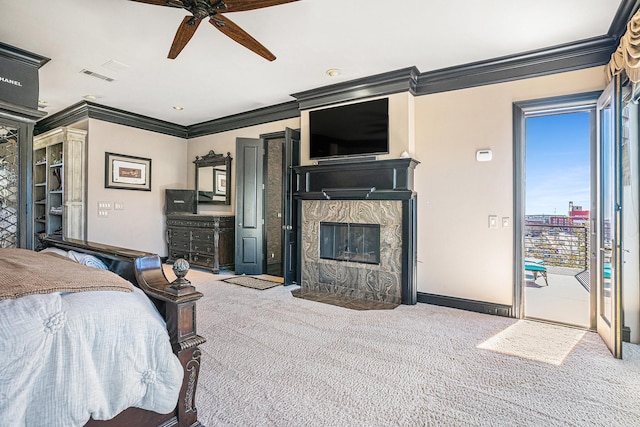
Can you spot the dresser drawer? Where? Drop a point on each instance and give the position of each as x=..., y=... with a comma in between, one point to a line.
x=182, y=245
x=202, y=259
x=176, y=254
x=179, y=234
x=202, y=236
x=202, y=247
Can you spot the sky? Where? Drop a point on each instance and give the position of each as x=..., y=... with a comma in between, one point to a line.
x=557, y=163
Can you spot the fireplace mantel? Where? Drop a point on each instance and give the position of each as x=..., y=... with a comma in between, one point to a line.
x=358, y=180
x=360, y=191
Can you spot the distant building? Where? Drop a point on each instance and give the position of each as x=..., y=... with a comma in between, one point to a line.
x=578, y=215
x=559, y=220
x=548, y=220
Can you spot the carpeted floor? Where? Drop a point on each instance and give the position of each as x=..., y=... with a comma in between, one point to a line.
x=275, y=360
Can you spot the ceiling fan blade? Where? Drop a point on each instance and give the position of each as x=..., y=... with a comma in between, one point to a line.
x=236, y=33
x=240, y=5
x=183, y=35
x=170, y=3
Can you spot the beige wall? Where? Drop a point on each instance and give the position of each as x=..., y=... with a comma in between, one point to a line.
x=458, y=255
x=140, y=225
x=223, y=143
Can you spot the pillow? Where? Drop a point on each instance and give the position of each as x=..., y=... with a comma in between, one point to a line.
x=88, y=260
x=57, y=251
x=91, y=261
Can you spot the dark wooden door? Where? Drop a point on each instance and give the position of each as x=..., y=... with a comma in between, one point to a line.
x=249, y=206
x=290, y=217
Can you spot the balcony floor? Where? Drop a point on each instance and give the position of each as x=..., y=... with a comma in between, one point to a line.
x=565, y=300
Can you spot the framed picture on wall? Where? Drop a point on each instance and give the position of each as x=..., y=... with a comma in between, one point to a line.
x=127, y=172
x=221, y=182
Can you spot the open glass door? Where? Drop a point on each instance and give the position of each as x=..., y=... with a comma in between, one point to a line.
x=607, y=250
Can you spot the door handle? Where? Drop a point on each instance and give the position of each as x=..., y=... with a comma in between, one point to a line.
x=287, y=227
x=239, y=224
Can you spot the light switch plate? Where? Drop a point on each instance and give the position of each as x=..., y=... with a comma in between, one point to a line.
x=505, y=221
x=104, y=205
x=493, y=221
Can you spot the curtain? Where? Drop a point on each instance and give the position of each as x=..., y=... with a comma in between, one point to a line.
x=627, y=56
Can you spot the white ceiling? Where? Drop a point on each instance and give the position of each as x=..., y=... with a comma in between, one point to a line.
x=215, y=77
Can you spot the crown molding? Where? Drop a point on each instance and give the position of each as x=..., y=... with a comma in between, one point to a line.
x=287, y=110
x=66, y=117
x=562, y=58
x=567, y=57
x=619, y=24
x=114, y=115
x=403, y=80
x=23, y=56
x=20, y=113
x=89, y=110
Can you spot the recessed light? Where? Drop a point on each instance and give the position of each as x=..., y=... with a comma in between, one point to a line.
x=179, y=108
x=332, y=72
x=90, y=97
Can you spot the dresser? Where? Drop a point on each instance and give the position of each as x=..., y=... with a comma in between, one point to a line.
x=205, y=241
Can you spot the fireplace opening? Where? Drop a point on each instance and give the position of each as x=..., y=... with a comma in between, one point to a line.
x=350, y=242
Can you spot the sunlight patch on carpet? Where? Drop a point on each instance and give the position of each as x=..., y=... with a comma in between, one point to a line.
x=535, y=341
x=252, y=282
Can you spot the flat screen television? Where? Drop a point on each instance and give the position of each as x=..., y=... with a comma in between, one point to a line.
x=350, y=130
x=180, y=201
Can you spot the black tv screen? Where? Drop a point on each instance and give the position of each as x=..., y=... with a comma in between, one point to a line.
x=350, y=130
x=180, y=201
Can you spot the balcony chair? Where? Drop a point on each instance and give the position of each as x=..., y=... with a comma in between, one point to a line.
x=606, y=273
x=536, y=267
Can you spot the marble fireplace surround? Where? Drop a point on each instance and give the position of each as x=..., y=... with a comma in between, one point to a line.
x=377, y=282
x=366, y=192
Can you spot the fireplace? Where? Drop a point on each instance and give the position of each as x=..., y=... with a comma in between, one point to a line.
x=358, y=242
x=341, y=241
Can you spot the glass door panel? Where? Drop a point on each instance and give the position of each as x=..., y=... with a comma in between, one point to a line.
x=609, y=229
x=607, y=210
x=9, y=188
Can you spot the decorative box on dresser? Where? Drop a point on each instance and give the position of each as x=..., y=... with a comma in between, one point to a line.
x=205, y=241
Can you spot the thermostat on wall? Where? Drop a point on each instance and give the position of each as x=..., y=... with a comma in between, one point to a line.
x=484, y=155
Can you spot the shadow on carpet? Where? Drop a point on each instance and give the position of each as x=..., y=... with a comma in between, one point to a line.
x=252, y=282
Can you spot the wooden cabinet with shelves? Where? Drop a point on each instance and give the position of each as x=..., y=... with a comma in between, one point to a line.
x=206, y=241
x=59, y=183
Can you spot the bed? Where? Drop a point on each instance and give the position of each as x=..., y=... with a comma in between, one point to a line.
x=126, y=357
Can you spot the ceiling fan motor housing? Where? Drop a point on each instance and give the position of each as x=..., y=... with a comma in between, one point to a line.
x=213, y=9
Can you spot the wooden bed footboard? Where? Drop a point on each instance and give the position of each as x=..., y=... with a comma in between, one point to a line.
x=176, y=303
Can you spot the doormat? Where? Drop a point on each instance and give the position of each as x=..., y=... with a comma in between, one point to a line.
x=252, y=282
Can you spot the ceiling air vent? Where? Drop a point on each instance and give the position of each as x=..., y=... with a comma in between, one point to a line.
x=99, y=76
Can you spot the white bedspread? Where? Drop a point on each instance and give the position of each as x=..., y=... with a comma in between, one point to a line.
x=65, y=357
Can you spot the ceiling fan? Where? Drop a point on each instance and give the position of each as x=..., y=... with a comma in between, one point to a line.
x=213, y=9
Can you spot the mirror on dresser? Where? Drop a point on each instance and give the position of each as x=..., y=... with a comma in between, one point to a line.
x=213, y=178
